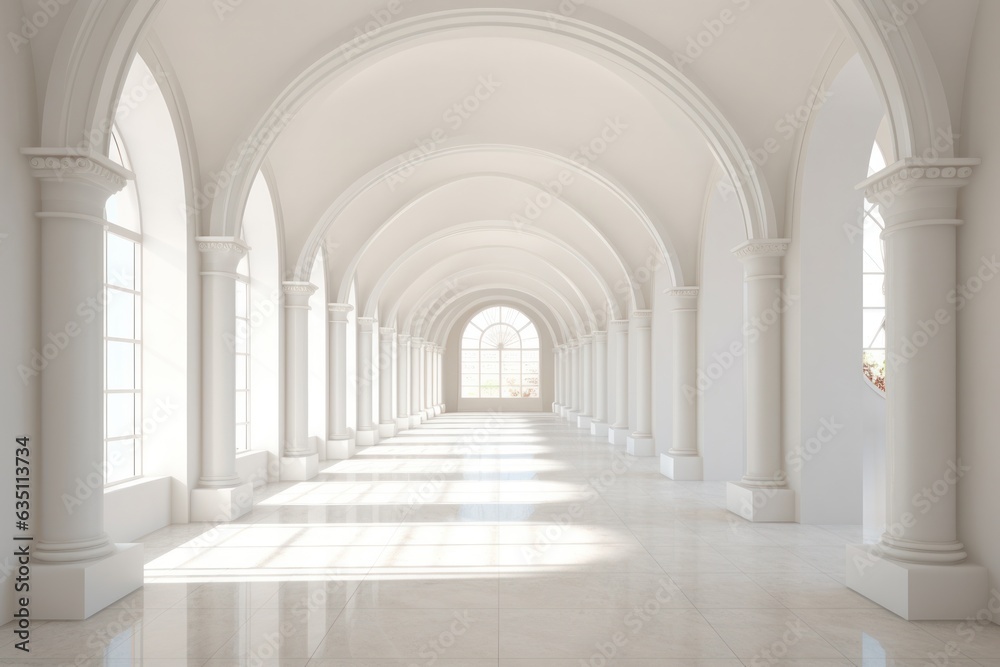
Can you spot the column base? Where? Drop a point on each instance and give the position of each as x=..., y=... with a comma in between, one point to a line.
x=682, y=468
x=641, y=445
x=584, y=421
x=428, y=414
x=761, y=504
x=571, y=416
x=444, y=409
x=556, y=407
x=562, y=411
x=299, y=468
x=228, y=504
x=915, y=591
x=437, y=410
x=75, y=591
x=340, y=450
x=402, y=424
x=366, y=437
x=386, y=430
x=618, y=436
x=600, y=429
x=415, y=421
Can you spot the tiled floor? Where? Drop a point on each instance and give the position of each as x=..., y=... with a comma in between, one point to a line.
x=511, y=540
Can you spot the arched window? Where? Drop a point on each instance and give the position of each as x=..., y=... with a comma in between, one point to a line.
x=122, y=329
x=500, y=355
x=242, y=344
x=873, y=318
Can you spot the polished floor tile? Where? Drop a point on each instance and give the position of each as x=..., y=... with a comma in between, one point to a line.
x=498, y=541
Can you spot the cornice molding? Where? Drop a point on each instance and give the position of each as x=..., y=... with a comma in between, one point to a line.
x=221, y=245
x=683, y=292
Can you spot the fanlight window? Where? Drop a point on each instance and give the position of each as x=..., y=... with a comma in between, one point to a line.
x=500, y=355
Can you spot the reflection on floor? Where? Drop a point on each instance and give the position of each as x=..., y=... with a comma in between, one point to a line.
x=511, y=540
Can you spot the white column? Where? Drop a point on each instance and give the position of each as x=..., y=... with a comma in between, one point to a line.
x=77, y=570
x=918, y=569
x=340, y=444
x=436, y=394
x=763, y=493
x=640, y=440
x=574, y=382
x=402, y=382
x=386, y=422
x=299, y=461
x=556, y=378
x=619, y=431
x=416, y=381
x=366, y=433
x=564, y=373
x=587, y=382
x=682, y=462
x=428, y=387
x=599, y=426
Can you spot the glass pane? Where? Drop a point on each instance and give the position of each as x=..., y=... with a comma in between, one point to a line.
x=242, y=443
x=490, y=369
x=120, y=461
x=470, y=392
x=241, y=373
x=512, y=356
x=241, y=299
x=470, y=368
x=121, y=415
x=121, y=365
x=530, y=343
x=879, y=342
x=873, y=286
x=529, y=355
x=121, y=314
x=490, y=356
x=490, y=392
x=470, y=379
x=512, y=392
x=121, y=268
x=241, y=407
x=512, y=368
x=512, y=380
x=242, y=337
x=531, y=380
x=471, y=356
x=871, y=322
x=530, y=392
x=530, y=369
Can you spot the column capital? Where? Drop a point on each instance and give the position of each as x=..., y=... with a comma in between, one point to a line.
x=913, y=173
x=416, y=341
x=618, y=326
x=403, y=339
x=386, y=331
x=339, y=311
x=762, y=248
x=683, y=298
x=600, y=336
x=642, y=319
x=63, y=170
x=220, y=255
x=366, y=324
x=297, y=294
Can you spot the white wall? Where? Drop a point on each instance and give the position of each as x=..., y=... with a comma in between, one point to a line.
x=721, y=422
x=824, y=434
x=20, y=274
x=979, y=319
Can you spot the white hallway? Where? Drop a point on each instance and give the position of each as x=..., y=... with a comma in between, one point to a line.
x=478, y=540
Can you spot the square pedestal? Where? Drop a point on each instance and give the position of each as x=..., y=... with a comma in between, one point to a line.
x=759, y=504
x=640, y=446
x=572, y=416
x=584, y=421
x=682, y=468
x=386, y=431
x=366, y=437
x=556, y=407
x=340, y=450
x=618, y=436
x=600, y=429
x=563, y=411
x=402, y=424
x=299, y=468
x=416, y=420
x=215, y=505
x=918, y=592
x=75, y=591
x=428, y=414
x=437, y=410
